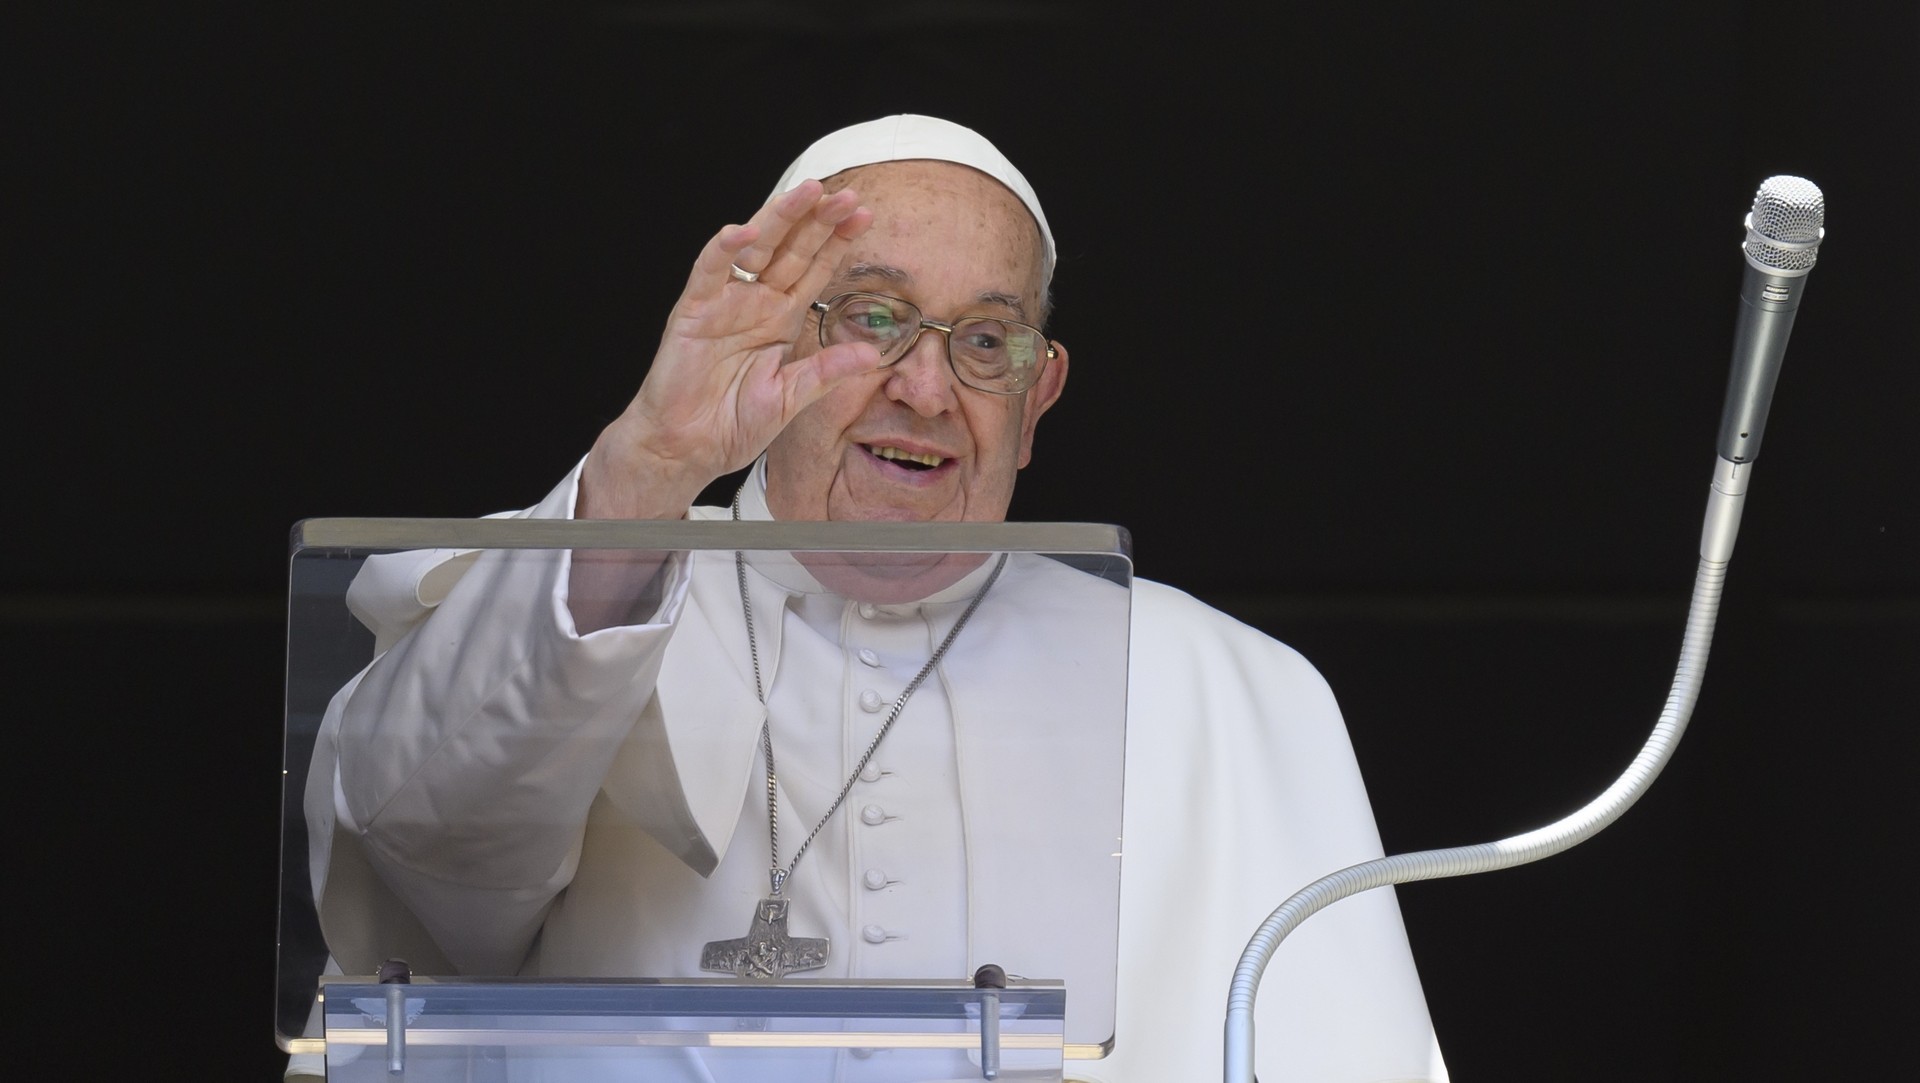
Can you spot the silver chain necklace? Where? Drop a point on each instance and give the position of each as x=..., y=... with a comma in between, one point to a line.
x=767, y=951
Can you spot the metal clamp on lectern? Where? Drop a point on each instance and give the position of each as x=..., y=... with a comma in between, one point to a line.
x=396, y=975
x=990, y=980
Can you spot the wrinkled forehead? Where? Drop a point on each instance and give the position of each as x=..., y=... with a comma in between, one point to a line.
x=927, y=189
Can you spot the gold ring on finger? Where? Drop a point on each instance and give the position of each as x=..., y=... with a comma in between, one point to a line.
x=743, y=276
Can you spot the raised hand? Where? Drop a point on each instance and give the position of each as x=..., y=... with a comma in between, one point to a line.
x=724, y=382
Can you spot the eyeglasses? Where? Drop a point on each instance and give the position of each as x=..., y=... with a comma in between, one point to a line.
x=1000, y=357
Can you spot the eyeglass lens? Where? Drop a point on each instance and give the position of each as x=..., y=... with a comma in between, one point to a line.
x=987, y=354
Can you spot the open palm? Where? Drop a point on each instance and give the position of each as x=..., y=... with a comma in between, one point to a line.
x=724, y=383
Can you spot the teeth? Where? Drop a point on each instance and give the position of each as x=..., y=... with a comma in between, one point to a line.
x=897, y=454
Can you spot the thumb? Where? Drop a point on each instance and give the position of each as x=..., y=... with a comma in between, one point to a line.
x=804, y=382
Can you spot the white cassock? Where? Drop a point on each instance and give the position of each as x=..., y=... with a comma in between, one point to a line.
x=550, y=804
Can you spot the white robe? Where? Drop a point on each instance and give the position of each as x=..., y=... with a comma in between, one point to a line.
x=555, y=804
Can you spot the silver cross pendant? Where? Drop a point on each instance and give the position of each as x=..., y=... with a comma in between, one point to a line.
x=766, y=951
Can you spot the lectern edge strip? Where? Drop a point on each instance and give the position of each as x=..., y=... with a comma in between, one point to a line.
x=343, y=533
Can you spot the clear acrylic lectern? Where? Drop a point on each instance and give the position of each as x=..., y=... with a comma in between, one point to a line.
x=526, y=783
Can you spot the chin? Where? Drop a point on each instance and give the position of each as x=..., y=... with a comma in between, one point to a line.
x=892, y=513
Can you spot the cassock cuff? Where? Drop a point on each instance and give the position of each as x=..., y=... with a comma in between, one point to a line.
x=663, y=599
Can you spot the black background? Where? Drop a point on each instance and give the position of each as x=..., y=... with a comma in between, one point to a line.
x=1399, y=331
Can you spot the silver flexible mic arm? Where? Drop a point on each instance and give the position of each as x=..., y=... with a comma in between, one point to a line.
x=1783, y=238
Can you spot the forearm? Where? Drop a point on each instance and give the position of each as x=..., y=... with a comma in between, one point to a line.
x=609, y=588
x=620, y=479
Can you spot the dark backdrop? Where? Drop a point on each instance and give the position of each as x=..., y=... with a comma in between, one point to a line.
x=1398, y=331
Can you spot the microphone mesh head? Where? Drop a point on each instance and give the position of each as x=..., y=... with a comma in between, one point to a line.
x=1784, y=230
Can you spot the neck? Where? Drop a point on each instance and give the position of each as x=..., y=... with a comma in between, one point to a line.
x=880, y=578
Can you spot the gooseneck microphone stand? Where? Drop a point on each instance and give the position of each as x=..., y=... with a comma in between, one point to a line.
x=1783, y=237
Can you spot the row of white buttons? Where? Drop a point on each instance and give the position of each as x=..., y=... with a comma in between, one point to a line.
x=873, y=815
x=873, y=879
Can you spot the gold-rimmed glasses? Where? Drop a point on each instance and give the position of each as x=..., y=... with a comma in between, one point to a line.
x=1000, y=357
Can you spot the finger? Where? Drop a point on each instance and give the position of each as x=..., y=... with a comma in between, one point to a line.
x=827, y=260
x=713, y=269
x=856, y=224
x=776, y=220
x=793, y=257
x=803, y=382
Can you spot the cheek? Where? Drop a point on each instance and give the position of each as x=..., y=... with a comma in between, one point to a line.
x=994, y=423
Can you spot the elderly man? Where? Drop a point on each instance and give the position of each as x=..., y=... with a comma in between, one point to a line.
x=870, y=343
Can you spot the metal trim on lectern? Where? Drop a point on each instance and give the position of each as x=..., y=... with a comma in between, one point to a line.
x=719, y=1039
x=665, y=534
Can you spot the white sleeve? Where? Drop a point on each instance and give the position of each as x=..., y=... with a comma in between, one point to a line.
x=469, y=752
x=1241, y=789
x=394, y=592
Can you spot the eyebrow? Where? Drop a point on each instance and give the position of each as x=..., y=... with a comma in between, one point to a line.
x=1004, y=300
x=876, y=270
x=896, y=276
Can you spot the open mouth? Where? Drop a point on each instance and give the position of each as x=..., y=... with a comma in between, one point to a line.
x=910, y=460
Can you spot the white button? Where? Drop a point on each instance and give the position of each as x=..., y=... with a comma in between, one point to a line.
x=871, y=773
x=873, y=814
x=871, y=702
x=867, y=610
x=870, y=658
x=874, y=879
x=874, y=934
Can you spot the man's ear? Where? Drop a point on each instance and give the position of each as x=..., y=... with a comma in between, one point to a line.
x=1040, y=398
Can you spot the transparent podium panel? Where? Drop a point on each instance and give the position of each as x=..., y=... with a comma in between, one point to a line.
x=807, y=778
x=714, y=1031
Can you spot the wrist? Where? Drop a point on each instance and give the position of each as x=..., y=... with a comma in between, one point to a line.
x=625, y=478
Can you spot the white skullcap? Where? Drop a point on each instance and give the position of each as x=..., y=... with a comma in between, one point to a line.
x=907, y=137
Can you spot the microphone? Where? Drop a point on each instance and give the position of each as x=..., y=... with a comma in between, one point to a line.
x=1784, y=231
x=1783, y=237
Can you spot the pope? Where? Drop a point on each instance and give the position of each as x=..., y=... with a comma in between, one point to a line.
x=514, y=767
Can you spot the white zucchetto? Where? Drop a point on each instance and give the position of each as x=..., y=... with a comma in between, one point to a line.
x=908, y=137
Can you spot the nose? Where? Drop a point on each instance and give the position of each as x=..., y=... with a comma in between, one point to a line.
x=922, y=380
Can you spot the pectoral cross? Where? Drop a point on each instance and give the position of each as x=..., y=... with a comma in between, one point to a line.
x=766, y=951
